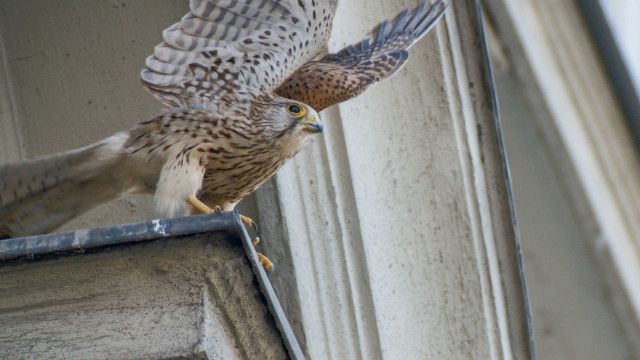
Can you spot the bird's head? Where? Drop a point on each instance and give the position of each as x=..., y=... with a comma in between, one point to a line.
x=289, y=118
x=303, y=118
x=289, y=123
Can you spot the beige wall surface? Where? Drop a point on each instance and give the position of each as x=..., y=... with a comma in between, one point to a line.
x=73, y=67
x=72, y=78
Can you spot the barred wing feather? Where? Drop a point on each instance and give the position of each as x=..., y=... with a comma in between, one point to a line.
x=346, y=74
x=225, y=53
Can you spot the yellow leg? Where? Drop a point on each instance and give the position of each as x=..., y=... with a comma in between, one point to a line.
x=202, y=207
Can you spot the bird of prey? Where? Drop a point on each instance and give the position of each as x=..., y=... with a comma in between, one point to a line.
x=242, y=84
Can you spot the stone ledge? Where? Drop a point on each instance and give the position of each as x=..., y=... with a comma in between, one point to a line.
x=188, y=288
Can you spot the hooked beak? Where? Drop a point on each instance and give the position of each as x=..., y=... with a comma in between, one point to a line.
x=313, y=125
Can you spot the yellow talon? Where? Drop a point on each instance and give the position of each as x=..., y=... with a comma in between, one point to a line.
x=268, y=264
x=248, y=222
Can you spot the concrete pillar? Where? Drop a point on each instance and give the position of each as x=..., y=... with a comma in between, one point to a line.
x=394, y=233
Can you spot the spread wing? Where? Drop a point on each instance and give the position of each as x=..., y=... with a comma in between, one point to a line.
x=346, y=74
x=224, y=53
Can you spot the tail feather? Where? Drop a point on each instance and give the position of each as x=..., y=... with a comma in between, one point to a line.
x=40, y=195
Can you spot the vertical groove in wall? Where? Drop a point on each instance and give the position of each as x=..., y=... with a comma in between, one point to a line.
x=353, y=253
x=490, y=212
x=11, y=145
x=516, y=301
x=324, y=222
x=397, y=236
x=455, y=84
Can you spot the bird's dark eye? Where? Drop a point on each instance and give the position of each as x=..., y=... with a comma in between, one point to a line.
x=297, y=111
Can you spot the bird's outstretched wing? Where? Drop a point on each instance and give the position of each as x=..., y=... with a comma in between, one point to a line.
x=346, y=74
x=224, y=53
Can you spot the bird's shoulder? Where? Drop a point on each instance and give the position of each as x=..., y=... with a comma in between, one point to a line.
x=183, y=124
x=181, y=117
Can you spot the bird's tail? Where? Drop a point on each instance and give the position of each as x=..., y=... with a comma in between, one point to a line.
x=40, y=195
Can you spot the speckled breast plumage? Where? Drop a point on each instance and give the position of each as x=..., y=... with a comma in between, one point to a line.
x=238, y=155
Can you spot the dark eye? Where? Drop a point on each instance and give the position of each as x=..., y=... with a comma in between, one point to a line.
x=294, y=109
x=297, y=111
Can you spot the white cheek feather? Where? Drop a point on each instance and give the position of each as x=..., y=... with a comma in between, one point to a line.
x=294, y=144
x=176, y=184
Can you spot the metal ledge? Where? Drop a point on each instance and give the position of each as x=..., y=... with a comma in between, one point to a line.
x=62, y=245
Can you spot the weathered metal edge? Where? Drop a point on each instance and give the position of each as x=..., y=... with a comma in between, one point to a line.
x=495, y=103
x=64, y=243
x=29, y=247
x=286, y=332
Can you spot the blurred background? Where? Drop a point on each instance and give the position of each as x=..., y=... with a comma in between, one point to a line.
x=567, y=76
x=620, y=16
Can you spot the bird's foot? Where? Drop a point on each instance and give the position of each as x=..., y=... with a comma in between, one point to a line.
x=266, y=263
x=203, y=208
x=247, y=221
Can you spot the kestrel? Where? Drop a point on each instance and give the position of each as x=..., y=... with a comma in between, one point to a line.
x=242, y=93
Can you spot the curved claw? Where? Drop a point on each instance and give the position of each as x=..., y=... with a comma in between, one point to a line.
x=256, y=241
x=268, y=264
x=249, y=223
